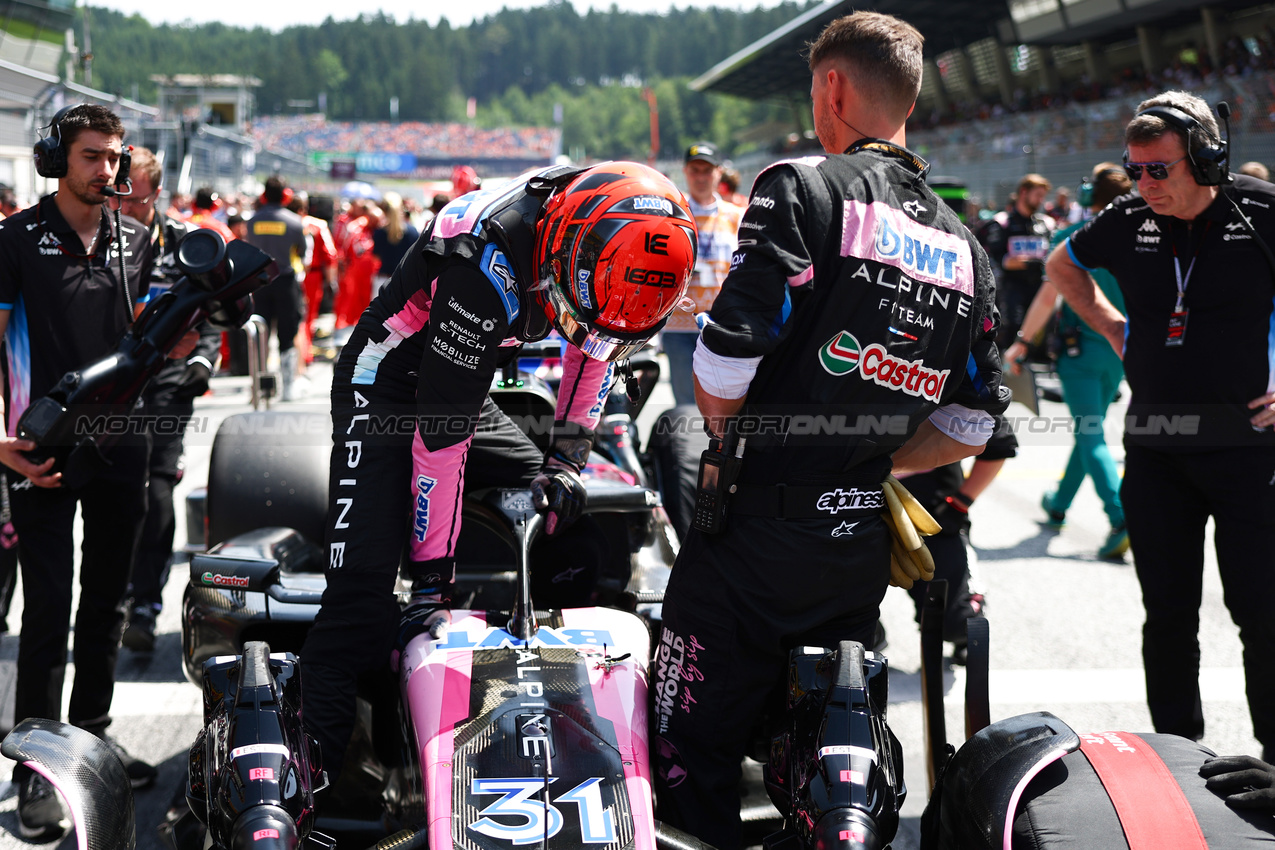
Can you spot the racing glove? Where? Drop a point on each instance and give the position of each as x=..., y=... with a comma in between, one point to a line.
x=425, y=612
x=558, y=491
x=1246, y=782
x=194, y=381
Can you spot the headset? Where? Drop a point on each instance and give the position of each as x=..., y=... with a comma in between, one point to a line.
x=51, y=157
x=1210, y=165
x=1084, y=192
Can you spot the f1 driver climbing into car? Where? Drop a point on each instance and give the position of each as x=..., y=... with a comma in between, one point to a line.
x=856, y=296
x=602, y=256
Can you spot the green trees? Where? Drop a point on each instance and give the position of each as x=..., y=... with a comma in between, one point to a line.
x=517, y=64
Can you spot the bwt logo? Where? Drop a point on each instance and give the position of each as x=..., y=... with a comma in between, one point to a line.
x=420, y=519
x=219, y=580
x=915, y=254
x=662, y=204
x=853, y=499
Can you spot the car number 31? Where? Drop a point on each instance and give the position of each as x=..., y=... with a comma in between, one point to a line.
x=527, y=821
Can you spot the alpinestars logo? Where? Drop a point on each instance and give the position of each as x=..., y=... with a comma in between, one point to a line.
x=840, y=355
x=1149, y=226
x=845, y=529
x=853, y=499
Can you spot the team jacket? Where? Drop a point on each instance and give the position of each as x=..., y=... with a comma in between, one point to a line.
x=67, y=307
x=865, y=305
x=1010, y=234
x=479, y=243
x=1192, y=396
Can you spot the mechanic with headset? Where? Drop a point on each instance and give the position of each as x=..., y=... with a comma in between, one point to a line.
x=857, y=299
x=601, y=255
x=63, y=304
x=1192, y=255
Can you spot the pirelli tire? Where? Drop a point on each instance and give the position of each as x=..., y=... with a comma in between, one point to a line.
x=269, y=468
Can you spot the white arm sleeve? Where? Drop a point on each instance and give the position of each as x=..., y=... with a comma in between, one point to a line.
x=724, y=377
x=963, y=424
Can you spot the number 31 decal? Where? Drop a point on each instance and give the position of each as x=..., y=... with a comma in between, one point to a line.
x=537, y=821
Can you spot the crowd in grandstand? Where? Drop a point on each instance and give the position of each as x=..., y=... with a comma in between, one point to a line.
x=301, y=134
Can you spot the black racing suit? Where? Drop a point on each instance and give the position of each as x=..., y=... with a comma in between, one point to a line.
x=1012, y=235
x=1190, y=452
x=856, y=306
x=413, y=428
x=67, y=309
x=169, y=399
x=281, y=234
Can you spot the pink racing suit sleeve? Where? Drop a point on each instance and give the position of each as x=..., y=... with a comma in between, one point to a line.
x=584, y=389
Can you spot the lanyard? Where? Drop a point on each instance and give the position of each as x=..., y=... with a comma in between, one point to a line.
x=1177, y=266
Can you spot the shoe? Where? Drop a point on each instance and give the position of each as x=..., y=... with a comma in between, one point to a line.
x=1053, y=519
x=140, y=774
x=1117, y=543
x=140, y=634
x=41, y=817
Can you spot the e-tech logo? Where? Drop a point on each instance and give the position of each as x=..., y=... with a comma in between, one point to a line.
x=910, y=376
x=840, y=355
x=218, y=580
x=420, y=518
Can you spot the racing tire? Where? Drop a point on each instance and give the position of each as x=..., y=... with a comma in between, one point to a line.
x=269, y=468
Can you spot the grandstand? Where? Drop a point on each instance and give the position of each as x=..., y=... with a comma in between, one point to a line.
x=1013, y=86
x=408, y=149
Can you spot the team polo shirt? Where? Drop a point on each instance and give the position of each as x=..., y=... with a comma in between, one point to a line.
x=1192, y=396
x=66, y=309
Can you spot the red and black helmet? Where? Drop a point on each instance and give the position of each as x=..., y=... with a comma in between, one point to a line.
x=614, y=253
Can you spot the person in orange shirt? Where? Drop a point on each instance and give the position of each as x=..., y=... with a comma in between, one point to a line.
x=359, y=263
x=717, y=221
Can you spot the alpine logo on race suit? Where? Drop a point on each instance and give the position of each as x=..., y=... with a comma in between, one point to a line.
x=840, y=356
x=877, y=232
x=420, y=517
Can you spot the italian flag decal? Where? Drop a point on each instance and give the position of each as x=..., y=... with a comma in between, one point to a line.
x=840, y=355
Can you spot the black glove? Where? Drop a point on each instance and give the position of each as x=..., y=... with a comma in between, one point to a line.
x=194, y=381
x=1246, y=782
x=558, y=490
x=948, y=514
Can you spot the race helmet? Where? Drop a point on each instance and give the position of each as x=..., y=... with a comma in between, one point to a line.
x=614, y=253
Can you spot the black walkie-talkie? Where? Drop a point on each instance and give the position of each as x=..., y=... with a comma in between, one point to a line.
x=719, y=467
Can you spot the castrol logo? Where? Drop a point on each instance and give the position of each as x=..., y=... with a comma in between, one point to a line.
x=909, y=376
x=219, y=580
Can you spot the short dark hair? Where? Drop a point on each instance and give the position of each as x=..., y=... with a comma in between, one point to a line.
x=144, y=162
x=273, y=193
x=89, y=116
x=205, y=198
x=1147, y=128
x=881, y=52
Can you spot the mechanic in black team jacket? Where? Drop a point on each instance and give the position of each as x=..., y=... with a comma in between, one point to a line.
x=63, y=305
x=169, y=401
x=1191, y=253
x=856, y=297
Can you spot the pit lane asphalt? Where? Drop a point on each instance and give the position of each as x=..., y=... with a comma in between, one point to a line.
x=1065, y=626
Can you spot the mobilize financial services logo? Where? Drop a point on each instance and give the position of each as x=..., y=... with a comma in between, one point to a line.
x=843, y=355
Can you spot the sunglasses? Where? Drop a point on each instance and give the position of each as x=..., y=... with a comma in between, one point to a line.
x=1156, y=170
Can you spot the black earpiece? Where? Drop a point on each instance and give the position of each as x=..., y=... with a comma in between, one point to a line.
x=49, y=152
x=1210, y=164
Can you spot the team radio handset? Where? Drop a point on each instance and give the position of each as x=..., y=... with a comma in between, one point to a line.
x=719, y=467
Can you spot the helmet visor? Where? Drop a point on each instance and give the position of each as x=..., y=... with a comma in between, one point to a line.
x=596, y=345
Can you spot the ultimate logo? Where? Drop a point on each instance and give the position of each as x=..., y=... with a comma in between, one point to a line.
x=840, y=355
